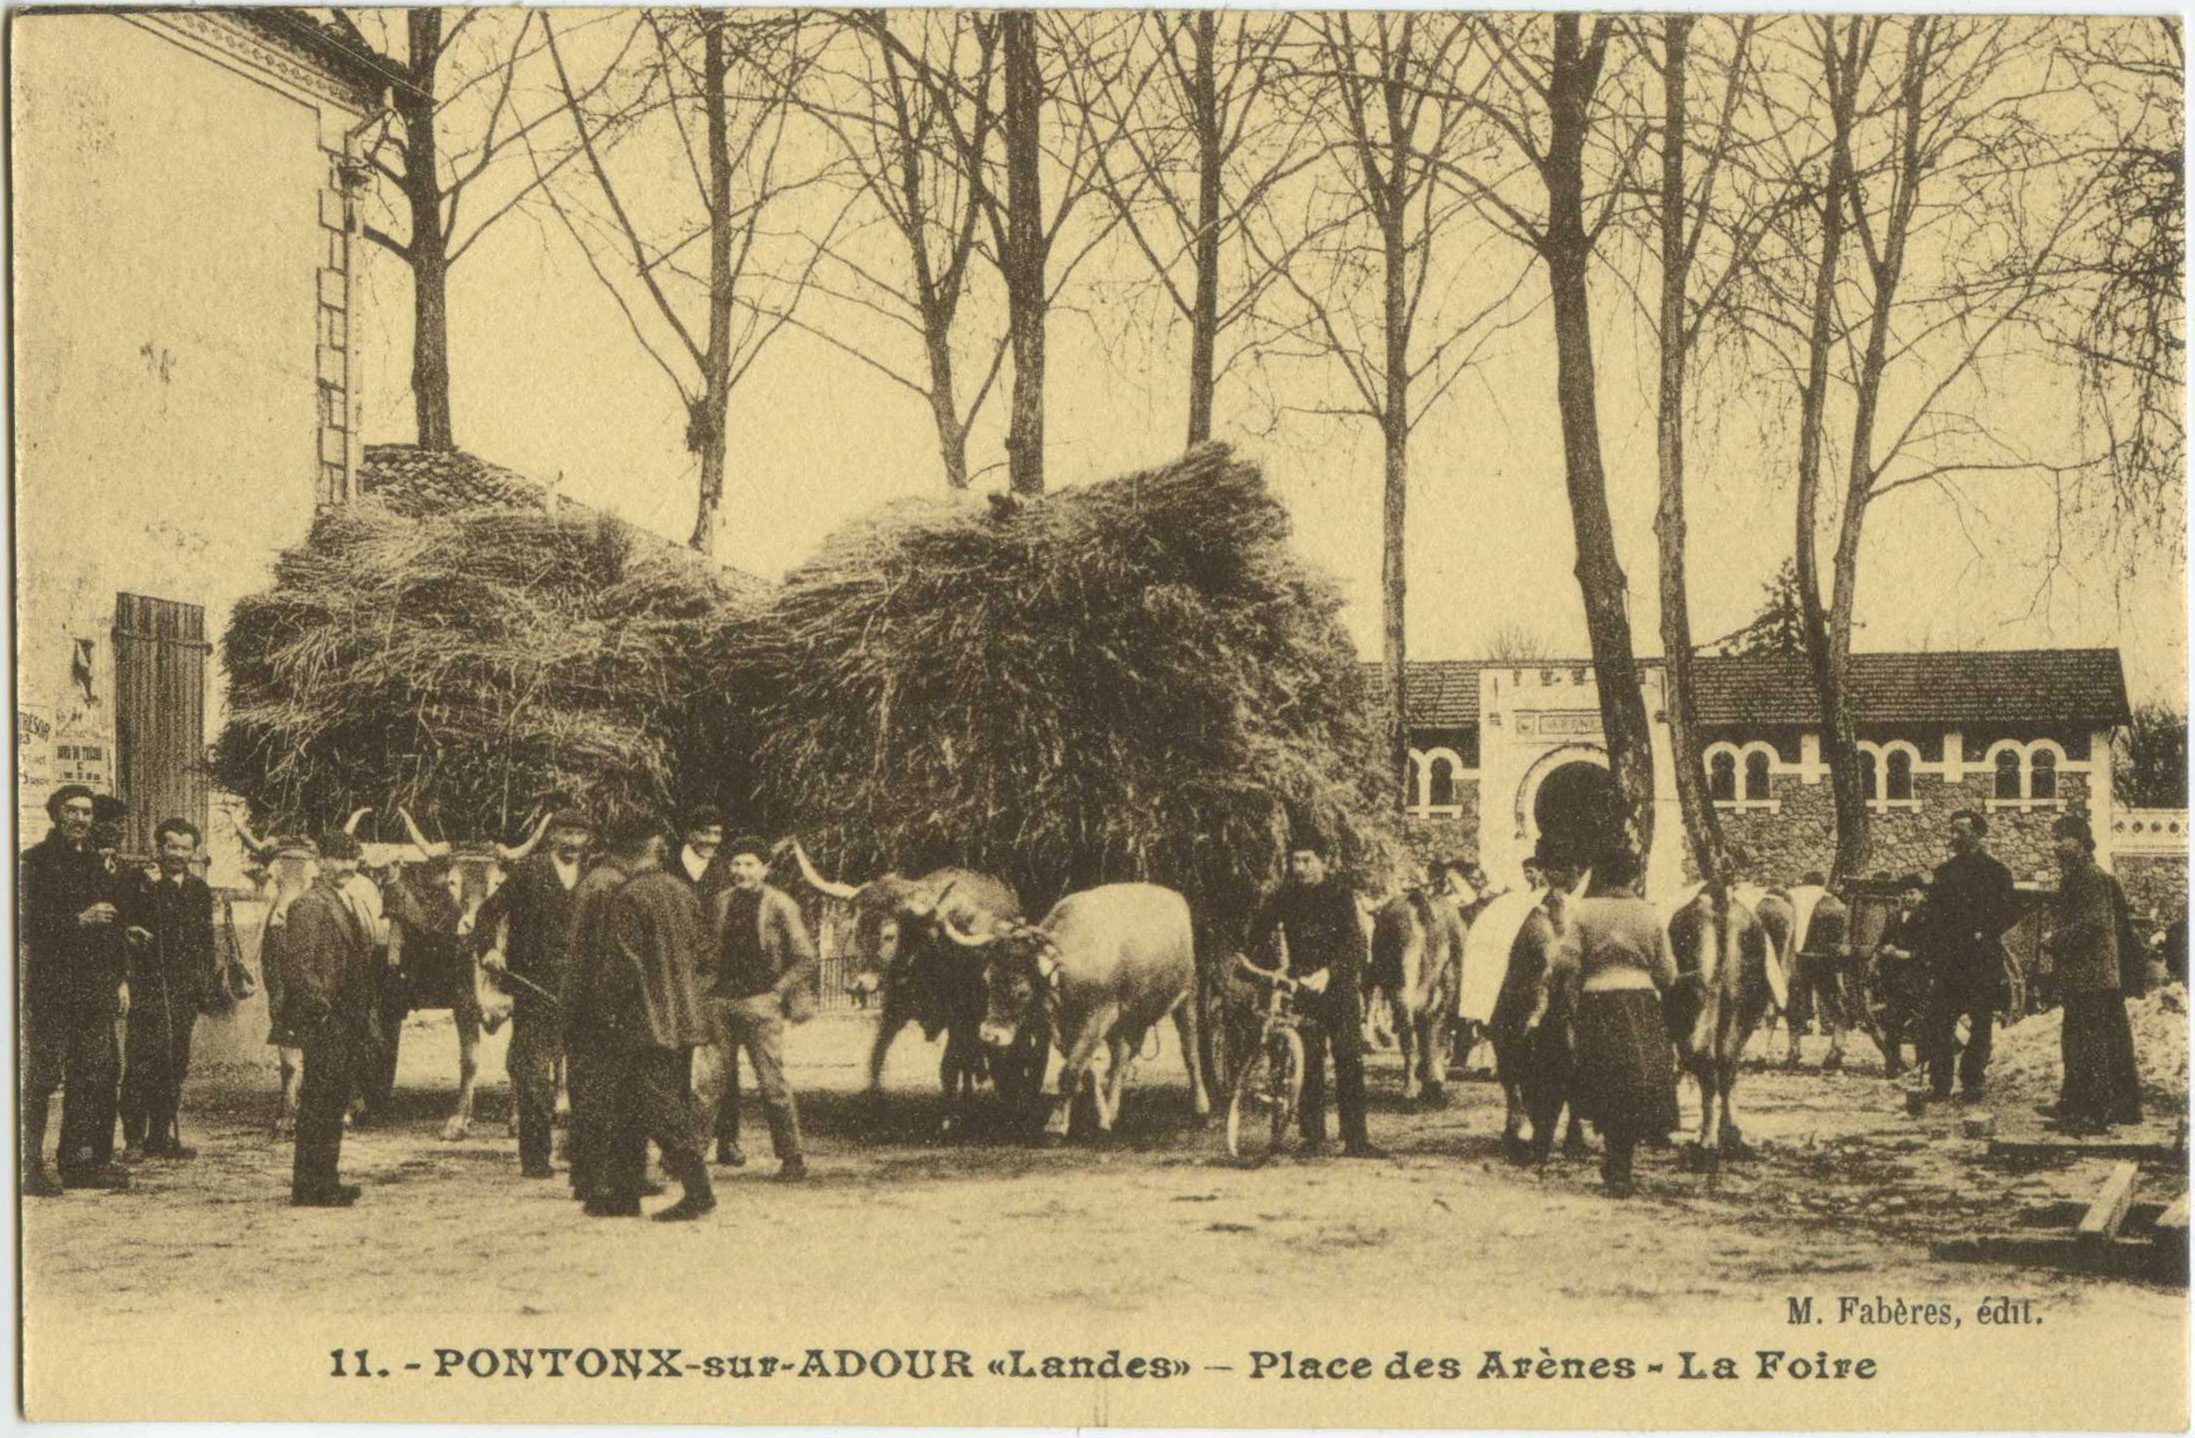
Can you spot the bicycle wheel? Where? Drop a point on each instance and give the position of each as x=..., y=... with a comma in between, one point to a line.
x=1264, y=1097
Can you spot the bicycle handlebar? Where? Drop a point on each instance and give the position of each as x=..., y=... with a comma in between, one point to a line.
x=1281, y=978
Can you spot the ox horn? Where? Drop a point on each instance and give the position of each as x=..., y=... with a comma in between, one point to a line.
x=411, y=827
x=962, y=937
x=512, y=853
x=259, y=848
x=350, y=825
x=936, y=904
x=1585, y=881
x=816, y=881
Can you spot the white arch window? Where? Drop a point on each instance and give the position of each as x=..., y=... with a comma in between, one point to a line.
x=1741, y=776
x=1886, y=774
x=1436, y=781
x=2025, y=775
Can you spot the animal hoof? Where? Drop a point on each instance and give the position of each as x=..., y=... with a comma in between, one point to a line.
x=1435, y=1096
x=283, y=1128
x=455, y=1129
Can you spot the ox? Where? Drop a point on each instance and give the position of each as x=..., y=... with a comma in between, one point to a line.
x=1728, y=974
x=431, y=957
x=1104, y=967
x=900, y=943
x=1519, y=970
x=1417, y=945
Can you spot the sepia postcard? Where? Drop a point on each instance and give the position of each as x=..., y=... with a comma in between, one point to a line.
x=1121, y=717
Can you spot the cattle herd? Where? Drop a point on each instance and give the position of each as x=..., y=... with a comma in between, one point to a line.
x=951, y=950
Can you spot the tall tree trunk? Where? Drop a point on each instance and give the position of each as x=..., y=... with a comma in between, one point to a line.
x=1567, y=250
x=1700, y=823
x=1394, y=513
x=705, y=426
x=1025, y=297
x=429, y=249
x=937, y=311
x=1204, y=322
x=1826, y=656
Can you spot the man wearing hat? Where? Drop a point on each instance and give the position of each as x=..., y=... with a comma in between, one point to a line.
x=1970, y=906
x=765, y=965
x=1317, y=914
x=2102, y=1086
x=171, y=975
x=68, y=917
x=331, y=1005
x=526, y=927
x=1900, y=972
x=702, y=863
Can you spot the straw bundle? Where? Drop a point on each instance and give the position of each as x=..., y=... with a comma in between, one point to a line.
x=1136, y=679
x=473, y=664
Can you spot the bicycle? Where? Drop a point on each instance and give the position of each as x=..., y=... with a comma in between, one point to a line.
x=1269, y=1085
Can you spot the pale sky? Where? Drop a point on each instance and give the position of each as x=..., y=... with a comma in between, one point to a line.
x=549, y=381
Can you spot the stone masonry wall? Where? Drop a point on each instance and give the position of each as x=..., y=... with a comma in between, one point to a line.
x=2155, y=883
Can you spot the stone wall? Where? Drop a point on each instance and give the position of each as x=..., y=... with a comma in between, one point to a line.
x=2155, y=883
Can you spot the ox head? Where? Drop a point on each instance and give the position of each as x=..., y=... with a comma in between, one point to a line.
x=475, y=870
x=893, y=915
x=1021, y=974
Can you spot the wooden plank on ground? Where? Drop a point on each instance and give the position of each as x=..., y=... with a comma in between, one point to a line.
x=2101, y=1223
x=2034, y=1150
x=2173, y=1221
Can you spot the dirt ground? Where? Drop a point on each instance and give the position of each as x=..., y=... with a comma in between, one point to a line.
x=1847, y=1194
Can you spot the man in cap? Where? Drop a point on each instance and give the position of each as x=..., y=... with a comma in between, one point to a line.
x=170, y=922
x=67, y=915
x=1970, y=905
x=69, y=1002
x=331, y=1004
x=1900, y=973
x=526, y=926
x=765, y=963
x=1317, y=914
x=703, y=864
x=2102, y=1085
x=637, y=951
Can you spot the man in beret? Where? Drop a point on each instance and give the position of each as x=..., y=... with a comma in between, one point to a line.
x=526, y=928
x=2102, y=1084
x=68, y=917
x=765, y=963
x=1970, y=905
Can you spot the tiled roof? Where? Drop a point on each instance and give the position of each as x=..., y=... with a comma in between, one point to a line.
x=2081, y=687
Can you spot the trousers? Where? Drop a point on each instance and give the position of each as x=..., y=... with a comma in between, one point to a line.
x=157, y=1055
x=650, y=1097
x=332, y=1055
x=588, y=1075
x=537, y=1043
x=1337, y=1028
x=1958, y=994
x=755, y=1025
x=70, y=1046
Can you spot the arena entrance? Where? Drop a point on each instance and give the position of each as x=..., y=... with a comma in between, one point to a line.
x=1568, y=794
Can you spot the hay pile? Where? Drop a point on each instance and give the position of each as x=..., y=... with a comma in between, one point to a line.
x=468, y=665
x=1135, y=679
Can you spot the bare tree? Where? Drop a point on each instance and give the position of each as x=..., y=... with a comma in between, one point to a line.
x=1380, y=87
x=1203, y=147
x=1927, y=246
x=1576, y=158
x=896, y=135
x=457, y=117
x=1515, y=644
x=736, y=93
x=1007, y=144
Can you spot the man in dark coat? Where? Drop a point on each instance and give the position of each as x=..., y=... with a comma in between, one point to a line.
x=331, y=1003
x=2102, y=1084
x=170, y=921
x=531, y=916
x=639, y=950
x=587, y=1051
x=1317, y=914
x=703, y=863
x=65, y=899
x=1970, y=905
x=765, y=965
